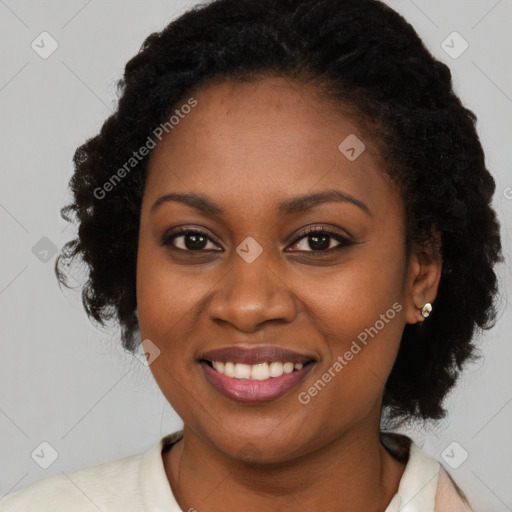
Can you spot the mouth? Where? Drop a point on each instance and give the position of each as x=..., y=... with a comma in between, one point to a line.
x=255, y=375
x=260, y=371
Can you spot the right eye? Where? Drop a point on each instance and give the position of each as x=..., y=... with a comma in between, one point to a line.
x=193, y=240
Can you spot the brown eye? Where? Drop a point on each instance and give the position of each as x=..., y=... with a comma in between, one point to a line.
x=321, y=240
x=190, y=240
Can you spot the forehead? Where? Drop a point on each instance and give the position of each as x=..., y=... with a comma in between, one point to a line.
x=267, y=138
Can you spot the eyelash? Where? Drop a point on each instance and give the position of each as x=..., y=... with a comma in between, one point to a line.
x=344, y=241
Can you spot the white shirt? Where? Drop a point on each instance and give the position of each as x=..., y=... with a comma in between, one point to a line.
x=138, y=483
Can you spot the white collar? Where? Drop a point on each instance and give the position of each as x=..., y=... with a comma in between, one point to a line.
x=416, y=491
x=418, y=485
x=156, y=492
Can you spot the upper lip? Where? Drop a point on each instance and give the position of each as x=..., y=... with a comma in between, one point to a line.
x=255, y=355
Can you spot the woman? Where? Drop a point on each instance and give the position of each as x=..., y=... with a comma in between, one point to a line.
x=291, y=208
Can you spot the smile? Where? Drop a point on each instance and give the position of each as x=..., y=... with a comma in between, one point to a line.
x=260, y=371
x=257, y=383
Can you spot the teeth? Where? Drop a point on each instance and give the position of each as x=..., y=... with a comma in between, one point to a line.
x=276, y=369
x=229, y=369
x=219, y=366
x=288, y=367
x=242, y=371
x=260, y=371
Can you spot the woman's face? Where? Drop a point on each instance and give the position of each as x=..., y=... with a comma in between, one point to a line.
x=244, y=156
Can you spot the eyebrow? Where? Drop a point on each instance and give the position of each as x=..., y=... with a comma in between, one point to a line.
x=287, y=207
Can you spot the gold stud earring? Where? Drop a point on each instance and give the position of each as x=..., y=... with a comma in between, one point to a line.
x=426, y=310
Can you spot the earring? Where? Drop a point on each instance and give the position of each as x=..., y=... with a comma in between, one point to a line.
x=427, y=308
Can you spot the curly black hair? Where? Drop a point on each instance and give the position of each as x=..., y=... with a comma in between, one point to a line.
x=364, y=57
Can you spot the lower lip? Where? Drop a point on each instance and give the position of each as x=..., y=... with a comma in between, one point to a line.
x=254, y=391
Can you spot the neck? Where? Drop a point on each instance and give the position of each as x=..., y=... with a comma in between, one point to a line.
x=352, y=473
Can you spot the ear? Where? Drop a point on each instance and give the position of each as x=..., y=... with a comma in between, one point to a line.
x=423, y=277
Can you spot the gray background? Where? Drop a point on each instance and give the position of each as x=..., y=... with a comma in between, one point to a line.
x=67, y=383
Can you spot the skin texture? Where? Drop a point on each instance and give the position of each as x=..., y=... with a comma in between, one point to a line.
x=249, y=146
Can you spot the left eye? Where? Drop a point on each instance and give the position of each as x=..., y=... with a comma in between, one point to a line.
x=320, y=240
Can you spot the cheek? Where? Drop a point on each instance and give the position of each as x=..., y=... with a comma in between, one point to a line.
x=167, y=295
x=359, y=311
x=353, y=297
x=166, y=302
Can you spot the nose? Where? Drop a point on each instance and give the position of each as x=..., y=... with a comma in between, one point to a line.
x=251, y=294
